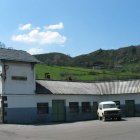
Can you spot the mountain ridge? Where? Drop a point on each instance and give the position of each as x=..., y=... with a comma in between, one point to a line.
x=107, y=59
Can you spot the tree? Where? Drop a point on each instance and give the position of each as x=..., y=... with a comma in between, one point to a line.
x=2, y=45
x=134, y=50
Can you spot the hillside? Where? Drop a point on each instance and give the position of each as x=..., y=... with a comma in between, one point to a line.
x=58, y=59
x=82, y=74
x=123, y=58
x=101, y=65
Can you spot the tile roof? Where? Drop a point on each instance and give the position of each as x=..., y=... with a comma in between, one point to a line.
x=99, y=88
x=16, y=55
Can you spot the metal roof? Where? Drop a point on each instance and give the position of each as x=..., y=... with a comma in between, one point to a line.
x=16, y=55
x=99, y=88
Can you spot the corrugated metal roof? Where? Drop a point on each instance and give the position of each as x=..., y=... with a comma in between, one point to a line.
x=16, y=55
x=99, y=88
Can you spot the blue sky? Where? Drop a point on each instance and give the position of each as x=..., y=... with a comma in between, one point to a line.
x=72, y=27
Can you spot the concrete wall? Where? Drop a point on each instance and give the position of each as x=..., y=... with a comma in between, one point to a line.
x=1, y=70
x=15, y=101
x=23, y=108
x=19, y=86
x=122, y=99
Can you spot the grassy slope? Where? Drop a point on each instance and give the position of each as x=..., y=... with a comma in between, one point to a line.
x=82, y=74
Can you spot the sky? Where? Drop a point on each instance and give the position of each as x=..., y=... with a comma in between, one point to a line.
x=73, y=27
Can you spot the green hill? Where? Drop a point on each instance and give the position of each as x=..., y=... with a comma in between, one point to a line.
x=123, y=63
x=82, y=74
x=58, y=59
x=107, y=59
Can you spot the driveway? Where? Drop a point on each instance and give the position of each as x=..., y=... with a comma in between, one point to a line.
x=128, y=129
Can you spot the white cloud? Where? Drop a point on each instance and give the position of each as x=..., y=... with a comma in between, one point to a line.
x=55, y=26
x=25, y=27
x=41, y=38
x=35, y=51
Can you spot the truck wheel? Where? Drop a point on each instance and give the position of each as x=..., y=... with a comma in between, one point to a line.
x=119, y=118
x=99, y=118
x=104, y=118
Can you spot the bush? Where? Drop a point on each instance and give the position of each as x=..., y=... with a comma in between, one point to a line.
x=92, y=73
x=135, y=69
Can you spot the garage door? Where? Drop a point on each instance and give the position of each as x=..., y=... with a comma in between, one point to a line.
x=58, y=110
x=130, y=108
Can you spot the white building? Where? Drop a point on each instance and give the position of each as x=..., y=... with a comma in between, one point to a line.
x=17, y=79
x=26, y=100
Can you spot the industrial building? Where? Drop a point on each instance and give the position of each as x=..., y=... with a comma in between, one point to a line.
x=26, y=100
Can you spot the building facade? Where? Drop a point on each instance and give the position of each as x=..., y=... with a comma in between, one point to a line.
x=17, y=77
x=25, y=100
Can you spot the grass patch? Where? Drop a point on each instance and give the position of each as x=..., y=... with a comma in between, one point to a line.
x=83, y=74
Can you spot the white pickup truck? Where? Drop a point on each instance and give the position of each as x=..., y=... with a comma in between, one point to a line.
x=108, y=110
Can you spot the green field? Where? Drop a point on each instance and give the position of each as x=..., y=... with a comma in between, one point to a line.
x=82, y=74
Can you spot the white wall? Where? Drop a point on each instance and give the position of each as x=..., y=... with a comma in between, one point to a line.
x=122, y=98
x=19, y=101
x=19, y=86
x=0, y=78
x=15, y=101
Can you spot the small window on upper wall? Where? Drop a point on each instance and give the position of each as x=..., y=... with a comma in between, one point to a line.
x=21, y=78
x=42, y=108
x=74, y=107
x=86, y=107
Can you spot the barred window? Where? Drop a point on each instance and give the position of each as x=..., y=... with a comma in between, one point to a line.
x=86, y=107
x=74, y=107
x=42, y=108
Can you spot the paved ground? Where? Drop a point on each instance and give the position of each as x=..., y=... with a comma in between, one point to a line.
x=128, y=129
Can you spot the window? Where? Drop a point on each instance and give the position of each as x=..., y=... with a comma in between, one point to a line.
x=74, y=107
x=42, y=108
x=86, y=107
x=117, y=103
x=109, y=105
x=21, y=78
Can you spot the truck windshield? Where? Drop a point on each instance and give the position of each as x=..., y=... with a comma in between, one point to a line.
x=109, y=106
